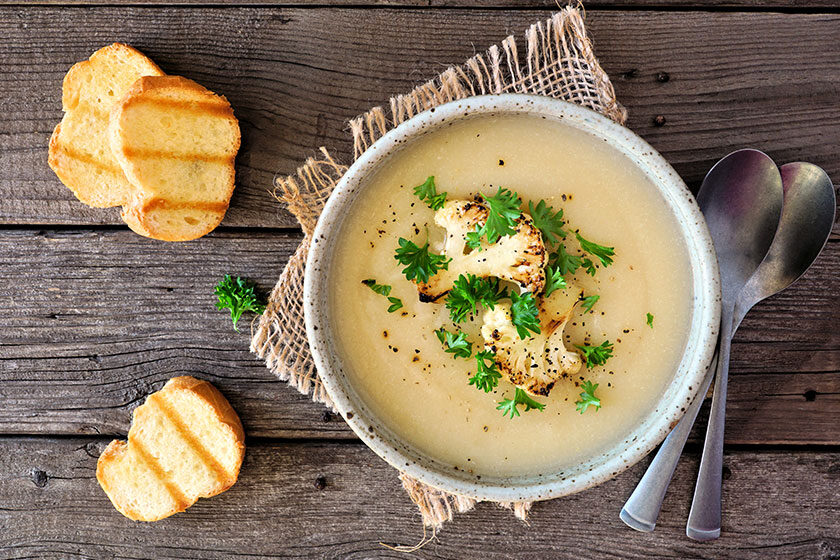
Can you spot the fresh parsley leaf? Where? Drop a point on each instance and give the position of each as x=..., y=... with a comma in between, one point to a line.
x=509, y=406
x=524, y=313
x=596, y=355
x=554, y=280
x=549, y=223
x=603, y=254
x=565, y=263
x=384, y=290
x=588, y=266
x=587, y=397
x=419, y=262
x=650, y=320
x=238, y=296
x=503, y=212
x=474, y=238
x=427, y=192
x=486, y=377
x=396, y=303
x=588, y=302
x=457, y=345
x=381, y=289
x=469, y=291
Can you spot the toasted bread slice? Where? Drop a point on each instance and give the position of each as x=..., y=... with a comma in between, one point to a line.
x=186, y=442
x=176, y=142
x=79, y=151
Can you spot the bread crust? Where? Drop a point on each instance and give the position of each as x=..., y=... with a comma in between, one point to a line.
x=153, y=411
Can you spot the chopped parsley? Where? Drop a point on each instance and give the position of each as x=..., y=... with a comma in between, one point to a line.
x=524, y=314
x=549, y=223
x=486, y=377
x=419, y=263
x=596, y=355
x=469, y=291
x=503, y=211
x=650, y=320
x=384, y=290
x=237, y=295
x=427, y=192
x=554, y=280
x=588, y=302
x=603, y=254
x=587, y=397
x=510, y=406
x=455, y=344
x=565, y=263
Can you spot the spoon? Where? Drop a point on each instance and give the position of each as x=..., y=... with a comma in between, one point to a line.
x=808, y=193
x=808, y=216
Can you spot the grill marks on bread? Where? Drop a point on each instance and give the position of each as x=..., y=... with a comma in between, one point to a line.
x=176, y=142
x=186, y=442
x=79, y=151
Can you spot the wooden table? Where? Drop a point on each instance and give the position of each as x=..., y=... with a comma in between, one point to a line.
x=96, y=317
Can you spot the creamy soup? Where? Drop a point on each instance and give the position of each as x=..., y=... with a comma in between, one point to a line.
x=398, y=365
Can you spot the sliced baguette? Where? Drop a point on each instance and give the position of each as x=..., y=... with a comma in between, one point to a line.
x=79, y=151
x=176, y=142
x=186, y=442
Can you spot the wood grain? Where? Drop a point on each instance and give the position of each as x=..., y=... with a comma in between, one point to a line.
x=96, y=320
x=294, y=75
x=53, y=507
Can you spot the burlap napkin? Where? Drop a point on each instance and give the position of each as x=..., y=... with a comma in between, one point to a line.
x=558, y=62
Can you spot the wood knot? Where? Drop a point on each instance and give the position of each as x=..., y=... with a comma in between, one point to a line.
x=810, y=395
x=39, y=477
x=320, y=483
x=663, y=77
x=659, y=120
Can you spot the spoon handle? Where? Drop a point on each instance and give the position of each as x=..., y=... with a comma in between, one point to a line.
x=642, y=507
x=704, y=517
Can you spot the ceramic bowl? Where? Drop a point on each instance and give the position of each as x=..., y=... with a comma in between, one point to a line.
x=683, y=388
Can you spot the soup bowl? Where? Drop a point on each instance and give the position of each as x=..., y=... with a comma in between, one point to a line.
x=643, y=435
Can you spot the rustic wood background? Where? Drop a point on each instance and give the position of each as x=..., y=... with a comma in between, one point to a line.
x=96, y=317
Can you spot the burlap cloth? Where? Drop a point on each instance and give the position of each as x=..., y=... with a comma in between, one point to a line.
x=558, y=62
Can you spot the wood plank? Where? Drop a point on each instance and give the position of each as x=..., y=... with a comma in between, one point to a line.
x=800, y=5
x=294, y=75
x=52, y=506
x=95, y=320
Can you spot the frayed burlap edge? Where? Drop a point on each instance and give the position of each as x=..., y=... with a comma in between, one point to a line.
x=559, y=62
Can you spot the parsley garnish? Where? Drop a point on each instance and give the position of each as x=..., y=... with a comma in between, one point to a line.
x=596, y=355
x=503, y=211
x=565, y=263
x=588, y=302
x=486, y=377
x=468, y=291
x=548, y=222
x=588, y=266
x=238, y=296
x=603, y=254
x=427, y=192
x=457, y=345
x=650, y=320
x=523, y=313
x=554, y=280
x=384, y=290
x=587, y=397
x=509, y=406
x=419, y=262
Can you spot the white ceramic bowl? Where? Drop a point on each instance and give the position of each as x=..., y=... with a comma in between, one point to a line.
x=683, y=388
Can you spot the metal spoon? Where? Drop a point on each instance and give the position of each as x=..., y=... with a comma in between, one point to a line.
x=807, y=193
x=805, y=225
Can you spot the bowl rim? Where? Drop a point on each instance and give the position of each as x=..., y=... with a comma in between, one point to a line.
x=651, y=430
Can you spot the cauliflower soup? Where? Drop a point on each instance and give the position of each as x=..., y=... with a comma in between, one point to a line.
x=520, y=340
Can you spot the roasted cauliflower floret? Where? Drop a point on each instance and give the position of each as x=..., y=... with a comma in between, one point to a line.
x=519, y=258
x=536, y=363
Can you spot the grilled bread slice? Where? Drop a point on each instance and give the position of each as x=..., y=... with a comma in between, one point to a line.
x=176, y=142
x=186, y=442
x=79, y=151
